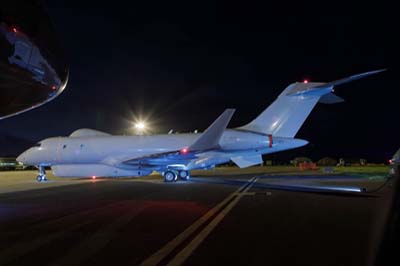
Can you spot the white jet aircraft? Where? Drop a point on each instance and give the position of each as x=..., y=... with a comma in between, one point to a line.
x=91, y=153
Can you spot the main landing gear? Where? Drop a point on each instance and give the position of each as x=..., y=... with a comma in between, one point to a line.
x=42, y=174
x=184, y=175
x=172, y=175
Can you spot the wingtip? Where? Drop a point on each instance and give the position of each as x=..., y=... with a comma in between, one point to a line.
x=375, y=71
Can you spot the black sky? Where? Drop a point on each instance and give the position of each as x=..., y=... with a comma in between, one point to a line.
x=182, y=64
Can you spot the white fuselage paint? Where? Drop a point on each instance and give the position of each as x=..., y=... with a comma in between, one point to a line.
x=102, y=155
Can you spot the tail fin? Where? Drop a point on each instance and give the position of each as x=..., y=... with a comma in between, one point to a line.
x=210, y=138
x=287, y=113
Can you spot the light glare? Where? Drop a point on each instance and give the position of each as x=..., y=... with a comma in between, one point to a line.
x=140, y=125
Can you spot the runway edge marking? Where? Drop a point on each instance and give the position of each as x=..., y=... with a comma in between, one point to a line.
x=157, y=257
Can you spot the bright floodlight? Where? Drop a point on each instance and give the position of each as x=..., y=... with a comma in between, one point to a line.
x=140, y=125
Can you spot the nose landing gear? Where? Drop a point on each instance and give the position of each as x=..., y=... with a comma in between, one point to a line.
x=42, y=174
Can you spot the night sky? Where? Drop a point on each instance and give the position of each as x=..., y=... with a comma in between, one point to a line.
x=181, y=64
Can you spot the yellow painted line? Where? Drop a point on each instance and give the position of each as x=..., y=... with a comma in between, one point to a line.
x=246, y=194
x=157, y=257
x=181, y=257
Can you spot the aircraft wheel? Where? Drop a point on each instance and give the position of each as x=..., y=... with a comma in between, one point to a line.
x=184, y=175
x=42, y=174
x=41, y=178
x=169, y=176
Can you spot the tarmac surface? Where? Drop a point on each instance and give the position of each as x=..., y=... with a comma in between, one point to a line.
x=213, y=220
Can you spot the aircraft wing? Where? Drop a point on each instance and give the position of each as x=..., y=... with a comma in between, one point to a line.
x=188, y=161
x=198, y=153
x=161, y=159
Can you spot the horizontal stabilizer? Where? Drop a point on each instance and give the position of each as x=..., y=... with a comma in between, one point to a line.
x=210, y=138
x=322, y=88
x=331, y=98
x=246, y=161
x=351, y=78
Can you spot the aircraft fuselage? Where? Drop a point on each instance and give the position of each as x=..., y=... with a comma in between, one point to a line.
x=108, y=152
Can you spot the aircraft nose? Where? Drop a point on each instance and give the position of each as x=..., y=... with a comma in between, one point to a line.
x=25, y=157
x=22, y=158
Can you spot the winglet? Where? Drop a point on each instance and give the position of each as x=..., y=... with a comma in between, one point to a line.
x=210, y=138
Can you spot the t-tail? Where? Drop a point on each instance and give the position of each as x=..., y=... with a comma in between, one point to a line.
x=285, y=116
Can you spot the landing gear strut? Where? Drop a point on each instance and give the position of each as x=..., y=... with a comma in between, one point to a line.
x=42, y=174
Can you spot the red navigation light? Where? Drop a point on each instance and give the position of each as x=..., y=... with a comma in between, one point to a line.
x=14, y=29
x=53, y=87
x=184, y=150
x=305, y=81
x=390, y=161
x=270, y=141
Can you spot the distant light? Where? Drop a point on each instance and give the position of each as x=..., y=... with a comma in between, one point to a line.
x=14, y=29
x=390, y=161
x=184, y=150
x=305, y=81
x=140, y=125
x=53, y=87
x=94, y=177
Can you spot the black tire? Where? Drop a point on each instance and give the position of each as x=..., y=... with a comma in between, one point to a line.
x=184, y=175
x=39, y=178
x=169, y=176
